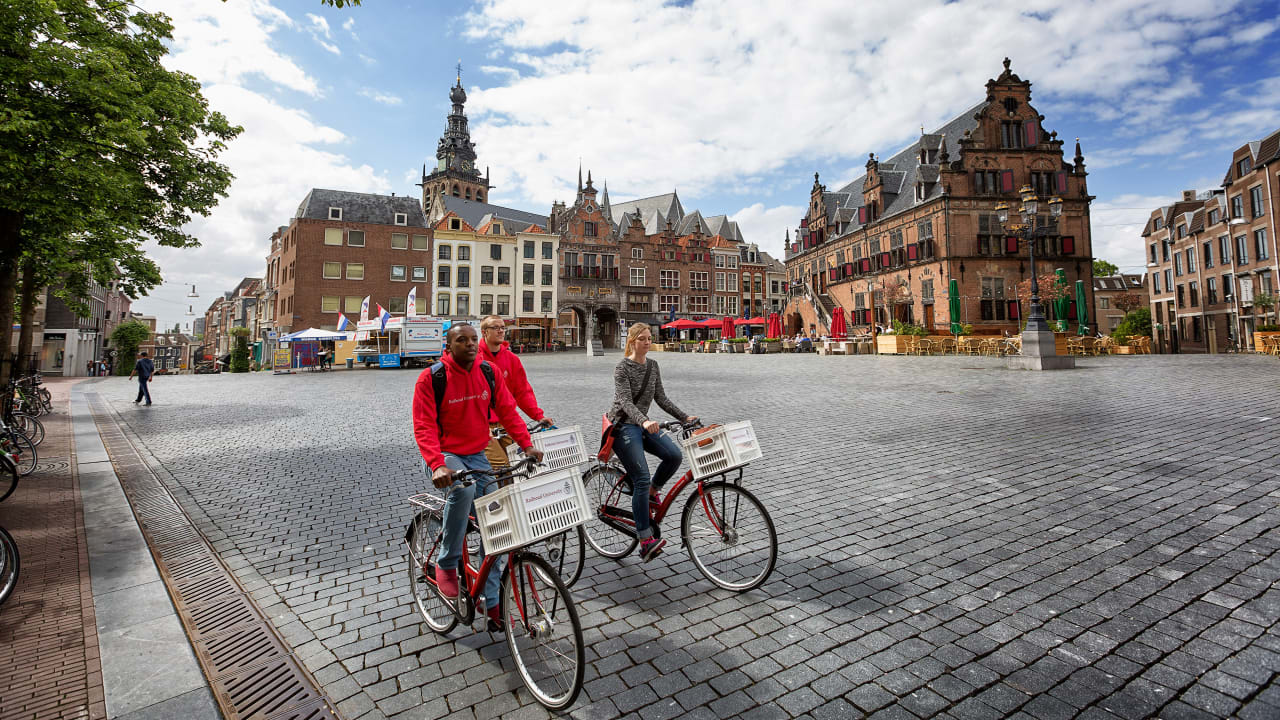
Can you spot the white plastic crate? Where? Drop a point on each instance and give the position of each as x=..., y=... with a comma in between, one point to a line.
x=561, y=448
x=531, y=509
x=727, y=447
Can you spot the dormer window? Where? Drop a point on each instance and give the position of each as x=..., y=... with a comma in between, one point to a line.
x=497, y=228
x=335, y=213
x=402, y=218
x=920, y=191
x=455, y=224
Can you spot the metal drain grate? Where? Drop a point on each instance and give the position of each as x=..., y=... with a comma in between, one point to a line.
x=251, y=671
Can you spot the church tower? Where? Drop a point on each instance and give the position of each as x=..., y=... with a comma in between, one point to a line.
x=455, y=172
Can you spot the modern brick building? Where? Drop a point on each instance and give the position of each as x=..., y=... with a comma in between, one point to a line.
x=895, y=237
x=1111, y=293
x=343, y=246
x=1210, y=255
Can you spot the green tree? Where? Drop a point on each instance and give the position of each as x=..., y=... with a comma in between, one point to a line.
x=125, y=339
x=1102, y=268
x=1137, y=322
x=240, y=353
x=101, y=146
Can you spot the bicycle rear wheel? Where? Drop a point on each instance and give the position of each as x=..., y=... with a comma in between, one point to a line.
x=424, y=537
x=46, y=399
x=601, y=484
x=543, y=631
x=9, y=565
x=8, y=476
x=29, y=426
x=565, y=553
x=730, y=536
x=21, y=451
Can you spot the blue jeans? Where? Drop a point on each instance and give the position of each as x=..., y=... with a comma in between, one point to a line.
x=456, y=510
x=143, y=391
x=630, y=446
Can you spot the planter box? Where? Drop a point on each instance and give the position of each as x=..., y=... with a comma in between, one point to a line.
x=772, y=347
x=891, y=344
x=1124, y=350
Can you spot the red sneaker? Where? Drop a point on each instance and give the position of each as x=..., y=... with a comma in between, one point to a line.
x=447, y=581
x=651, y=548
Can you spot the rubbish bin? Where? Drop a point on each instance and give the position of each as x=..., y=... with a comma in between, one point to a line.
x=350, y=363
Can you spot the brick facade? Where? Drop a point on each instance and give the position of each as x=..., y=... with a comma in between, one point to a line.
x=896, y=236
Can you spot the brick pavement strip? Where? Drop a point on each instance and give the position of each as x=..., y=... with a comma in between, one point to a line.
x=49, y=659
x=955, y=539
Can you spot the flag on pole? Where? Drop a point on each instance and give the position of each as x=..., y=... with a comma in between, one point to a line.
x=364, y=309
x=412, y=308
x=343, y=322
x=384, y=316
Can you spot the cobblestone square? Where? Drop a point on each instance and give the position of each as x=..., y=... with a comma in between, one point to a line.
x=956, y=539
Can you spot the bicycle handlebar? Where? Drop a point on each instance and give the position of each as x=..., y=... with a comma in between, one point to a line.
x=466, y=477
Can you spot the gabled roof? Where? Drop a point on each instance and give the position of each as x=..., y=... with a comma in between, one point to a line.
x=474, y=213
x=1125, y=281
x=691, y=223
x=722, y=225
x=901, y=170
x=668, y=205
x=444, y=224
x=361, y=207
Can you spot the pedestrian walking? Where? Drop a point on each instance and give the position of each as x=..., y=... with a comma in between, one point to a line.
x=144, y=369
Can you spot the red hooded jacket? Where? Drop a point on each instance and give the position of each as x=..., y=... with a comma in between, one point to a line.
x=464, y=413
x=512, y=371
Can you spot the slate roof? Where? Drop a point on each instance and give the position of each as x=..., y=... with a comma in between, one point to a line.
x=667, y=205
x=1126, y=281
x=900, y=172
x=361, y=207
x=476, y=214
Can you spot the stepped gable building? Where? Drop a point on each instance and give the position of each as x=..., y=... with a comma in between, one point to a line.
x=1210, y=255
x=341, y=246
x=456, y=173
x=893, y=239
x=589, y=303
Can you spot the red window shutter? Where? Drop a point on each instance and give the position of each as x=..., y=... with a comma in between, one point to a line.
x=804, y=222
x=1033, y=133
x=795, y=247
x=866, y=264
x=1071, y=310
x=1068, y=245
x=848, y=268
x=832, y=274
x=1062, y=183
x=913, y=253
x=1011, y=244
x=884, y=259
x=862, y=215
x=1013, y=310
x=1006, y=181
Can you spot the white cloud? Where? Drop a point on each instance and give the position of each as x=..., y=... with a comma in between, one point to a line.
x=721, y=94
x=510, y=73
x=282, y=153
x=1116, y=224
x=366, y=59
x=350, y=26
x=381, y=97
x=319, y=29
x=319, y=24
x=767, y=227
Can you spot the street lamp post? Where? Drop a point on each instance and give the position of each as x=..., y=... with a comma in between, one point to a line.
x=1039, y=350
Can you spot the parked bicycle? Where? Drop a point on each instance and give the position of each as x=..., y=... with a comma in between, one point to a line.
x=727, y=531
x=565, y=551
x=10, y=561
x=539, y=617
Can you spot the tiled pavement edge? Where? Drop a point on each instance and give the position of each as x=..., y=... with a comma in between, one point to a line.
x=149, y=670
x=956, y=540
x=49, y=665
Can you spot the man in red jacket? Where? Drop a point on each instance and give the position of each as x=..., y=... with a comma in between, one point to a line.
x=455, y=440
x=497, y=352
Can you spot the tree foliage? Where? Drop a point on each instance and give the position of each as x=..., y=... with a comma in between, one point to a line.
x=1128, y=302
x=240, y=353
x=101, y=146
x=125, y=339
x=1137, y=322
x=1102, y=268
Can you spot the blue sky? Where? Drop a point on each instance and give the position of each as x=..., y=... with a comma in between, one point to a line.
x=735, y=104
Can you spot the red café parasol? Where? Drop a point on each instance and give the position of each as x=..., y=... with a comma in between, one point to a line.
x=775, y=326
x=751, y=321
x=726, y=328
x=838, y=329
x=682, y=324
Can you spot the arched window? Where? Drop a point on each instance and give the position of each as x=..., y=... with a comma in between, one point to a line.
x=479, y=196
x=456, y=192
x=468, y=193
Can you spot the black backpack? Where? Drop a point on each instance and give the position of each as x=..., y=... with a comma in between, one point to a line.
x=440, y=382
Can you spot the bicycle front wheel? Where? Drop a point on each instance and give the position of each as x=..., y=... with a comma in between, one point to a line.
x=424, y=537
x=730, y=536
x=565, y=553
x=543, y=631
x=9, y=564
x=29, y=426
x=46, y=399
x=601, y=484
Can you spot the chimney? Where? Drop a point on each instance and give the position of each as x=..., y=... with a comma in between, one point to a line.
x=1188, y=195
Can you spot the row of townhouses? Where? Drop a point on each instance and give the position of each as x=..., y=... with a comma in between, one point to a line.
x=584, y=270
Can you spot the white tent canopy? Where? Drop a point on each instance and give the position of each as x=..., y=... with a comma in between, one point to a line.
x=313, y=334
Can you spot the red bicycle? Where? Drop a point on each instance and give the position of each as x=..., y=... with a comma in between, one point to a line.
x=541, y=622
x=725, y=529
